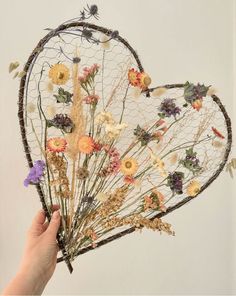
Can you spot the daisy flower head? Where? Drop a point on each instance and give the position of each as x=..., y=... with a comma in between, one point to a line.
x=86, y=144
x=133, y=77
x=56, y=144
x=59, y=74
x=129, y=166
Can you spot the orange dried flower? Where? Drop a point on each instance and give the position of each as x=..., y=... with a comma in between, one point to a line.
x=129, y=180
x=197, y=104
x=56, y=144
x=86, y=144
x=133, y=77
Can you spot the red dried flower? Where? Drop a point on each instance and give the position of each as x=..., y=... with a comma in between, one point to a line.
x=217, y=133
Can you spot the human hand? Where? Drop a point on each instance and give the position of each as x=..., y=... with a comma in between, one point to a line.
x=39, y=258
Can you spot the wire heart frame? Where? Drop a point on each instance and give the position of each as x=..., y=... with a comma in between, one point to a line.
x=116, y=154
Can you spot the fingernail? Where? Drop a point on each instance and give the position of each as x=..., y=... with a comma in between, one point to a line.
x=56, y=215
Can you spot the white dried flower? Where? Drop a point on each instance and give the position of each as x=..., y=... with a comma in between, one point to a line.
x=211, y=91
x=104, y=117
x=114, y=130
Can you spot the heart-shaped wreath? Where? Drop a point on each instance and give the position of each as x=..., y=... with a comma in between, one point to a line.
x=114, y=153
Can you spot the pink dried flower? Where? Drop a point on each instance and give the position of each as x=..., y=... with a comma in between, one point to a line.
x=92, y=99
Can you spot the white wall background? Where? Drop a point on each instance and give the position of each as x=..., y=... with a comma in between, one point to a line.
x=177, y=40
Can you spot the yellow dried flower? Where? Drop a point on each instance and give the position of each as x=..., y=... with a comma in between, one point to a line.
x=193, y=188
x=59, y=74
x=129, y=166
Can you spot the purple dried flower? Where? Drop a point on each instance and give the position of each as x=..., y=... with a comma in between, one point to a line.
x=175, y=182
x=35, y=174
x=62, y=121
x=168, y=108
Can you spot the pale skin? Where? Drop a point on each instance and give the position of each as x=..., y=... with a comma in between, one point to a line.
x=39, y=258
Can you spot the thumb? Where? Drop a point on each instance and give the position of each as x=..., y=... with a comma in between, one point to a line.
x=54, y=225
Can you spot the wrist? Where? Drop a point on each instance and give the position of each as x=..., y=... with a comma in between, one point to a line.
x=34, y=283
x=24, y=284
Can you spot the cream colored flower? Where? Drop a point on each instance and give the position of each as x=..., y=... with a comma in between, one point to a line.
x=105, y=43
x=31, y=107
x=211, y=91
x=113, y=130
x=158, y=92
x=104, y=117
x=102, y=197
x=158, y=164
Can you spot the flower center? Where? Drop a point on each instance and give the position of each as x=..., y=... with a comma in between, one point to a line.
x=60, y=75
x=128, y=164
x=57, y=143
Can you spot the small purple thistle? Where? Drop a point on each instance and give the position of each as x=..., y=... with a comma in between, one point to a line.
x=35, y=173
x=169, y=108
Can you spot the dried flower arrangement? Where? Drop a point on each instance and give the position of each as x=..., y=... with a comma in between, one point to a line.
x=114, y=153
